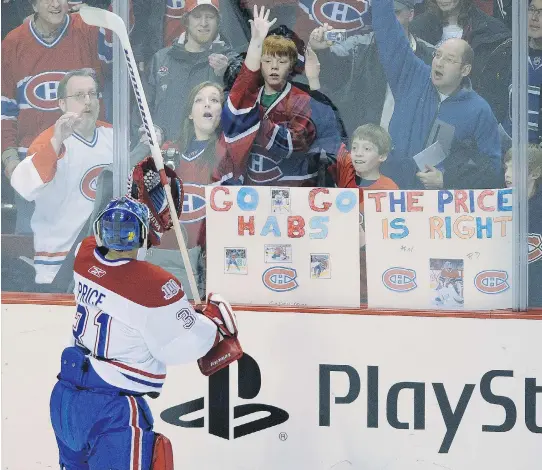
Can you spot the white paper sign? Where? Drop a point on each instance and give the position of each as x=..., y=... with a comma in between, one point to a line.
x=283, y=246
x=443, y=249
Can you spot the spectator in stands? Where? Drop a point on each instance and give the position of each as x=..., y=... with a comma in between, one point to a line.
x=198, y=56
x=356, y=62
x=284, y=132
x=159, y=24
x=489, y=38
x=433, y=103
x=35, y=57
x=193, y=157
x=534, y=193
x=61, y=169
x=534, y=31
x=330, y=132
x=360, y=167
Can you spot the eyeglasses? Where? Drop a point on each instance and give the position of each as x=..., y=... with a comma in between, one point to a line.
x=92, y=95
x=534, y=12
x=447, y=60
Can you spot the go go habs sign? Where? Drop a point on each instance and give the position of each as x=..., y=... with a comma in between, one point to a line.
x=284, y=246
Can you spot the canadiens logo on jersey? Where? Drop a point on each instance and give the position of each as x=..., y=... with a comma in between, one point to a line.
x=40, y=91
x=351, y=15
x=89, y=182
x=263, y=168
x=535, y=247
x=194, y=203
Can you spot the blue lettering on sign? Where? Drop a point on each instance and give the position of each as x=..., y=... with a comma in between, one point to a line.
x=247, y=199
x=346, y=201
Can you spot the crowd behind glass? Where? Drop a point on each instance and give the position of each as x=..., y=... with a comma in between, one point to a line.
x=256, y=92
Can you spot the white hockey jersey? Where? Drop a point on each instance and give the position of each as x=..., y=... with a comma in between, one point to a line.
x=63, y=188
x=135, y=319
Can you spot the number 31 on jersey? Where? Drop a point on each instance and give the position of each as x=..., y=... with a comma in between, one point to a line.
x=97, y=337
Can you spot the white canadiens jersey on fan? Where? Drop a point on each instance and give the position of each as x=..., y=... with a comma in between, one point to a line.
x=64, y=190
x=135, y=319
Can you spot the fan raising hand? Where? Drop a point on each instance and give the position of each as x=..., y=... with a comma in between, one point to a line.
x=260, y=25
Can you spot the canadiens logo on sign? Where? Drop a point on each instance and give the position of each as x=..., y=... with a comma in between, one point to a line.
x=40, y=91
x=280, y=279
x=491, y=281
x=340, y=14
x=89, y=182
x=535, y=247
x=194, y=203
x=399, y=279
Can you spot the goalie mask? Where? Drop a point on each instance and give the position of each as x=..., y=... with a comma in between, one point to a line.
x=122, y=226
x=144, y=186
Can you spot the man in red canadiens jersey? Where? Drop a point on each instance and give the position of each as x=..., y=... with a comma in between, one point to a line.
x=132, y=319
x=35, y=57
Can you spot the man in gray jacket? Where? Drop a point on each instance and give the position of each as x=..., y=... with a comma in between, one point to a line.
x=199, y=55
x=352, y=76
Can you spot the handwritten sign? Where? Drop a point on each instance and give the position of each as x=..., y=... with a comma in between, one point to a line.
x=441, y=249
x=283, y=246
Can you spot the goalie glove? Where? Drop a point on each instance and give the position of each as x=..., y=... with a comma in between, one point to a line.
x=219, y=311
x=227, y=348
x=144, y=186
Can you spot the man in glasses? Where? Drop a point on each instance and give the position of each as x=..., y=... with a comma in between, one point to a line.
x=356, y=59
x=436, y=103
x=61, y=169
x=35, y=57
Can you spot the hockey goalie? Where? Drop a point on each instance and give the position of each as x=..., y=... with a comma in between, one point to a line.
x=131, y=320
x=450, y=287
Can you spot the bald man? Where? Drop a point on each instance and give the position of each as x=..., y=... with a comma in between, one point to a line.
x=436, y=103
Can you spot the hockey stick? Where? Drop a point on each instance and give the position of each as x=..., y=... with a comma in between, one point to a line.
x=106, y=19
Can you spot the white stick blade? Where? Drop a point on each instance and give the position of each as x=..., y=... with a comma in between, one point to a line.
x=104, y=19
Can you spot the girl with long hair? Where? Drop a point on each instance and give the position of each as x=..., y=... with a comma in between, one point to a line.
x=193, y=156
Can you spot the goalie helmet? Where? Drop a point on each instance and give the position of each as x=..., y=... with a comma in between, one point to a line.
x=123, y=225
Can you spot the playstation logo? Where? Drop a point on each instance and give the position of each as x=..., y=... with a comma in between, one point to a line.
x=249, y=385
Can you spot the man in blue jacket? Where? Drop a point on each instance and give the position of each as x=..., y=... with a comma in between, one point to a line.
x=432, y=102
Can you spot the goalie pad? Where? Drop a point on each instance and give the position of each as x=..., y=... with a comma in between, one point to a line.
x=162, y=453
x=144, y=186
x=222, y=355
